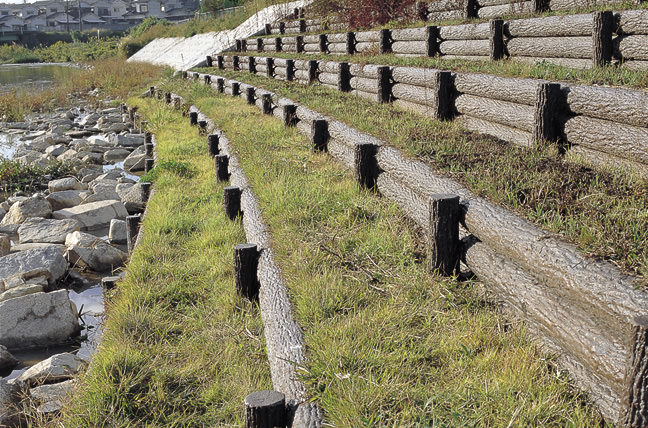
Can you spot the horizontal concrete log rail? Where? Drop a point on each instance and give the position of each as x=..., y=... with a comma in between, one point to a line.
x=606, y=126
x=284, y=338
x=585, y=311
x=440, y=10
x=578, y=41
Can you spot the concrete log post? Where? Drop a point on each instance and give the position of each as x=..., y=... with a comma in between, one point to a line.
x=148, y=164
x=469, y=9
x=443, y=240
x=268, y=29
x=385, y=41
x=236, y=89
x=212, y=144
x=422, y=10
x=540, y=5
x=220, y=85
x=244, y=46
x=148, y=138
x=146, y=190
x=232, y=202
x=496, y=39
x=344, y=77
x=252, y=64
x=319, y=135
x=384, y=84
x=238, y=45
x=313, y=65
x=184, y=75
x=634, y=410
x=302, y=25
x=148, y=149
x=290, y=70
x=270, y=67
x=278, y=44
x=603, y=27
x=267, y=103
x=547, y=108
x=235, y=63
x=209, y=61
x=202, y=127
x=167, y=97
x=365, y=165
x=151, y=91
x=221, y=162
x=246, y=262
x=350, y=43
x=220, y=62
x=132, y=226
x=323, y=43
x=266, y=409
x=432, y=40
x=250, y=96
x=290, y=115
x=193, y=118
x=259, y=43
x=207, y=79
x=300, y=44
x=282, y=28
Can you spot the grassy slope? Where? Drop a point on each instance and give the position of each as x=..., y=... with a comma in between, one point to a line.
x=604, y=212
x=388, y=344
x=179, y=348
x=611, y=75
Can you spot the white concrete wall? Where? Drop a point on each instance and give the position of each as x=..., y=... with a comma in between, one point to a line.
x=183, y=53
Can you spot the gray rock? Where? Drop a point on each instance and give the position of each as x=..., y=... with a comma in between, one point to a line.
x=132, y=196
x=95, y=214
x=16, y=248
x=56, y=368
x=92, y=158
x=135, y=161
x=116, y=155
x=7, y=361
x=89, y=177
x=62, y=184
x=117, y=231
x=130, y=140
x=87, y=250
x=113, y=174
x=68, y=155
x=38, y=320
x=5, y=245
x=52, y=396
x=36, y=206
x=89, y=120
x=9, y=398
x=56, y=150
x=9, y=229
x=47, y=259
x=21, y=290
x=66, y=199
x=49, y=231
x=115, y=127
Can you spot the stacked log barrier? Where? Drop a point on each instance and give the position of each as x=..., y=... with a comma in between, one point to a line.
x=585, y=311
x=631, y=44
x=422, y=41
x=284, y=338
x=576, y=41
x=518, y=110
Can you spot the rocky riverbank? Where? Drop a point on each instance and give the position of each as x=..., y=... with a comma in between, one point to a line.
x=63, y=238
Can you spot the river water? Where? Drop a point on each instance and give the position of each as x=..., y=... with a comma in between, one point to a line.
x=31, y=77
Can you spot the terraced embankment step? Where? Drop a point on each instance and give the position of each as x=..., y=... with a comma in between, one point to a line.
x=532, y=259
x=371, y=313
